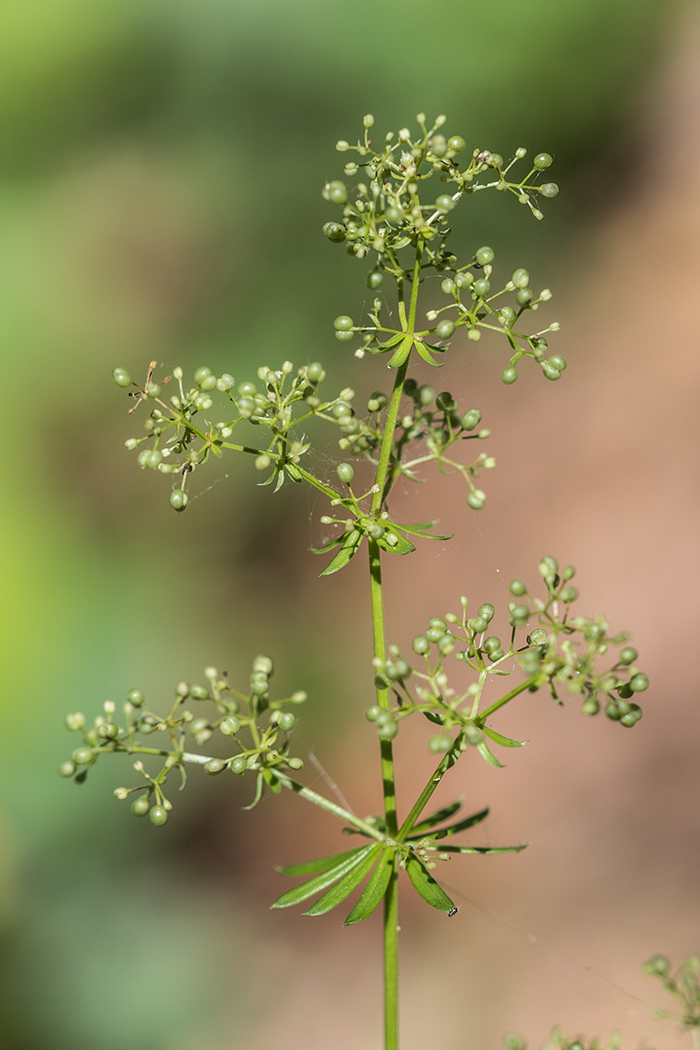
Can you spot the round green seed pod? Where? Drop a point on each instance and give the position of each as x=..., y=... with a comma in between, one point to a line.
x=121, y=377
x=639, y=683
x=83, y=756
x=344, y=337
x=628, y=720
x=628, y=655
x=238, y=764
x=343, y=323
x=521, y=278
x=612, y=711
x=491, y=644
x=388, y=731
x=420, y=645
x=384, y=717
x=487, y=611
x=482, y=286
x=517, y=587
x=509, y=375
x=542, y=161
x=178, y=499
x=550, y=372
x=372, y=713
x=484, y=256
x=444, y=203
x=471, y=419
x=375, y=279
x=153, y=390
x=229, y=726
x=445, y=329
x=214, y=766
x=199, y=692
x=590, y=707
x=519, y=615
x=66, y=769
x=439, y=744
x=476, y=499
x=201, y=374
x=569, y=594
x=315, y=372
x=658, y=965
x=549, y=189
x=140, y=806
x=337, y=192
x=158, y=815
x=477, y=624
x=74, y=721
x=448, y=287
x=345, y=472
x=456, y=144
x=394, y=215
x=108, y=731
x=524, y=296
x=558, y=362
x=426, y=395
x=334, y=231
x=286, y=721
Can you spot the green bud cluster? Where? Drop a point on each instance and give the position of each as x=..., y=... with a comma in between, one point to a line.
x=258, y=725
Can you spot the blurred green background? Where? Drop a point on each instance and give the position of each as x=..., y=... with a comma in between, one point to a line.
x=160, y=174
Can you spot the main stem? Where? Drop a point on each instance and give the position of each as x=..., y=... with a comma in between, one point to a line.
x=391, y=899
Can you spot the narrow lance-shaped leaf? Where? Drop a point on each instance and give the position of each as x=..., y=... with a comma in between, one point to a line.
x=320, y=882
x=422, y=530
x=326, y=546
x=337, y=894
x=374, y=890
x=488, y=756
x=308, y=867
x=480, y=849
x=347, y=551
x=468, y=822
x=441, y=814
x=426, y=886
x=258, y=792
x=504, y=741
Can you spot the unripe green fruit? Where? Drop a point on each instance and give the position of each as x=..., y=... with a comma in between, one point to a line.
x=628, y=720
x=178, y=499
x=82, y=756
x=542, y=161
x=315, y=372
x=444, y=203
x=153, y=390
x=158, y=815
x=473, y=734
x=74, y=721
x=484, y=256
x=446, y=644
x=286, y=721
x=372, y=713
x=549, y=189
x=420, y=645
x=550, y=372
x=337, y=192
x=394, y=215
x=482, y=286
x=214, y=766
x=507, y=315
x=539, y=637
x=639, y=683
x=439, y=744
x=345, y=472
x=140, y=806
x=201, y=374
x=444, y=400
x=121, y=377
x=520, y=278
x=445, y=329
x=487, y=611
x=517, y=587
x=612, y=711
x=438, y=622
x=344, y=337
x=658, y=965
x=384, y=717
x=153, y=458
x=334, y=231
x=108, y=731
x=426, y=395
x=448, y=286
x=569, y=594
x=628, y=655
x=199, y=692
x=66, y=769
x=456, y=144
x=477, y=624
x=343, y=323
x=476, y=499
x=374, y=279
x=229, y=726
x=558, y=362
x=524, y=296
x=247, y=389
x=491, y=644
x=590, y=707
x=238, y=764
x=471, y=419
x=519, y=615
x=509, y=375
x=388, y=731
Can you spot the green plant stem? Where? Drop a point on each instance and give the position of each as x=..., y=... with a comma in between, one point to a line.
x=391, y=961
x=536, y=679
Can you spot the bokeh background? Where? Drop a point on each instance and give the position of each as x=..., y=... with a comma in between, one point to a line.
x=160, y=175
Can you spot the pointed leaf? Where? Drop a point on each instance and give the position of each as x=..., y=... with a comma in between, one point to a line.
x=481, y=849
x=293, y=472
x=468, y=822
x=401, y=352
x=488, y=756
x=504, y=741
x=374, y=890
x=402, y=545
x=326, y=546
x=348, y=550
x=272, y=782
x=321, y=882
x=426, y=886
x=422, y=530
x=383, y=347
x=308, y=867
x=427, y=356
x=258, y=792
x=337, y=894
x=437, y=818
x=280, y=480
